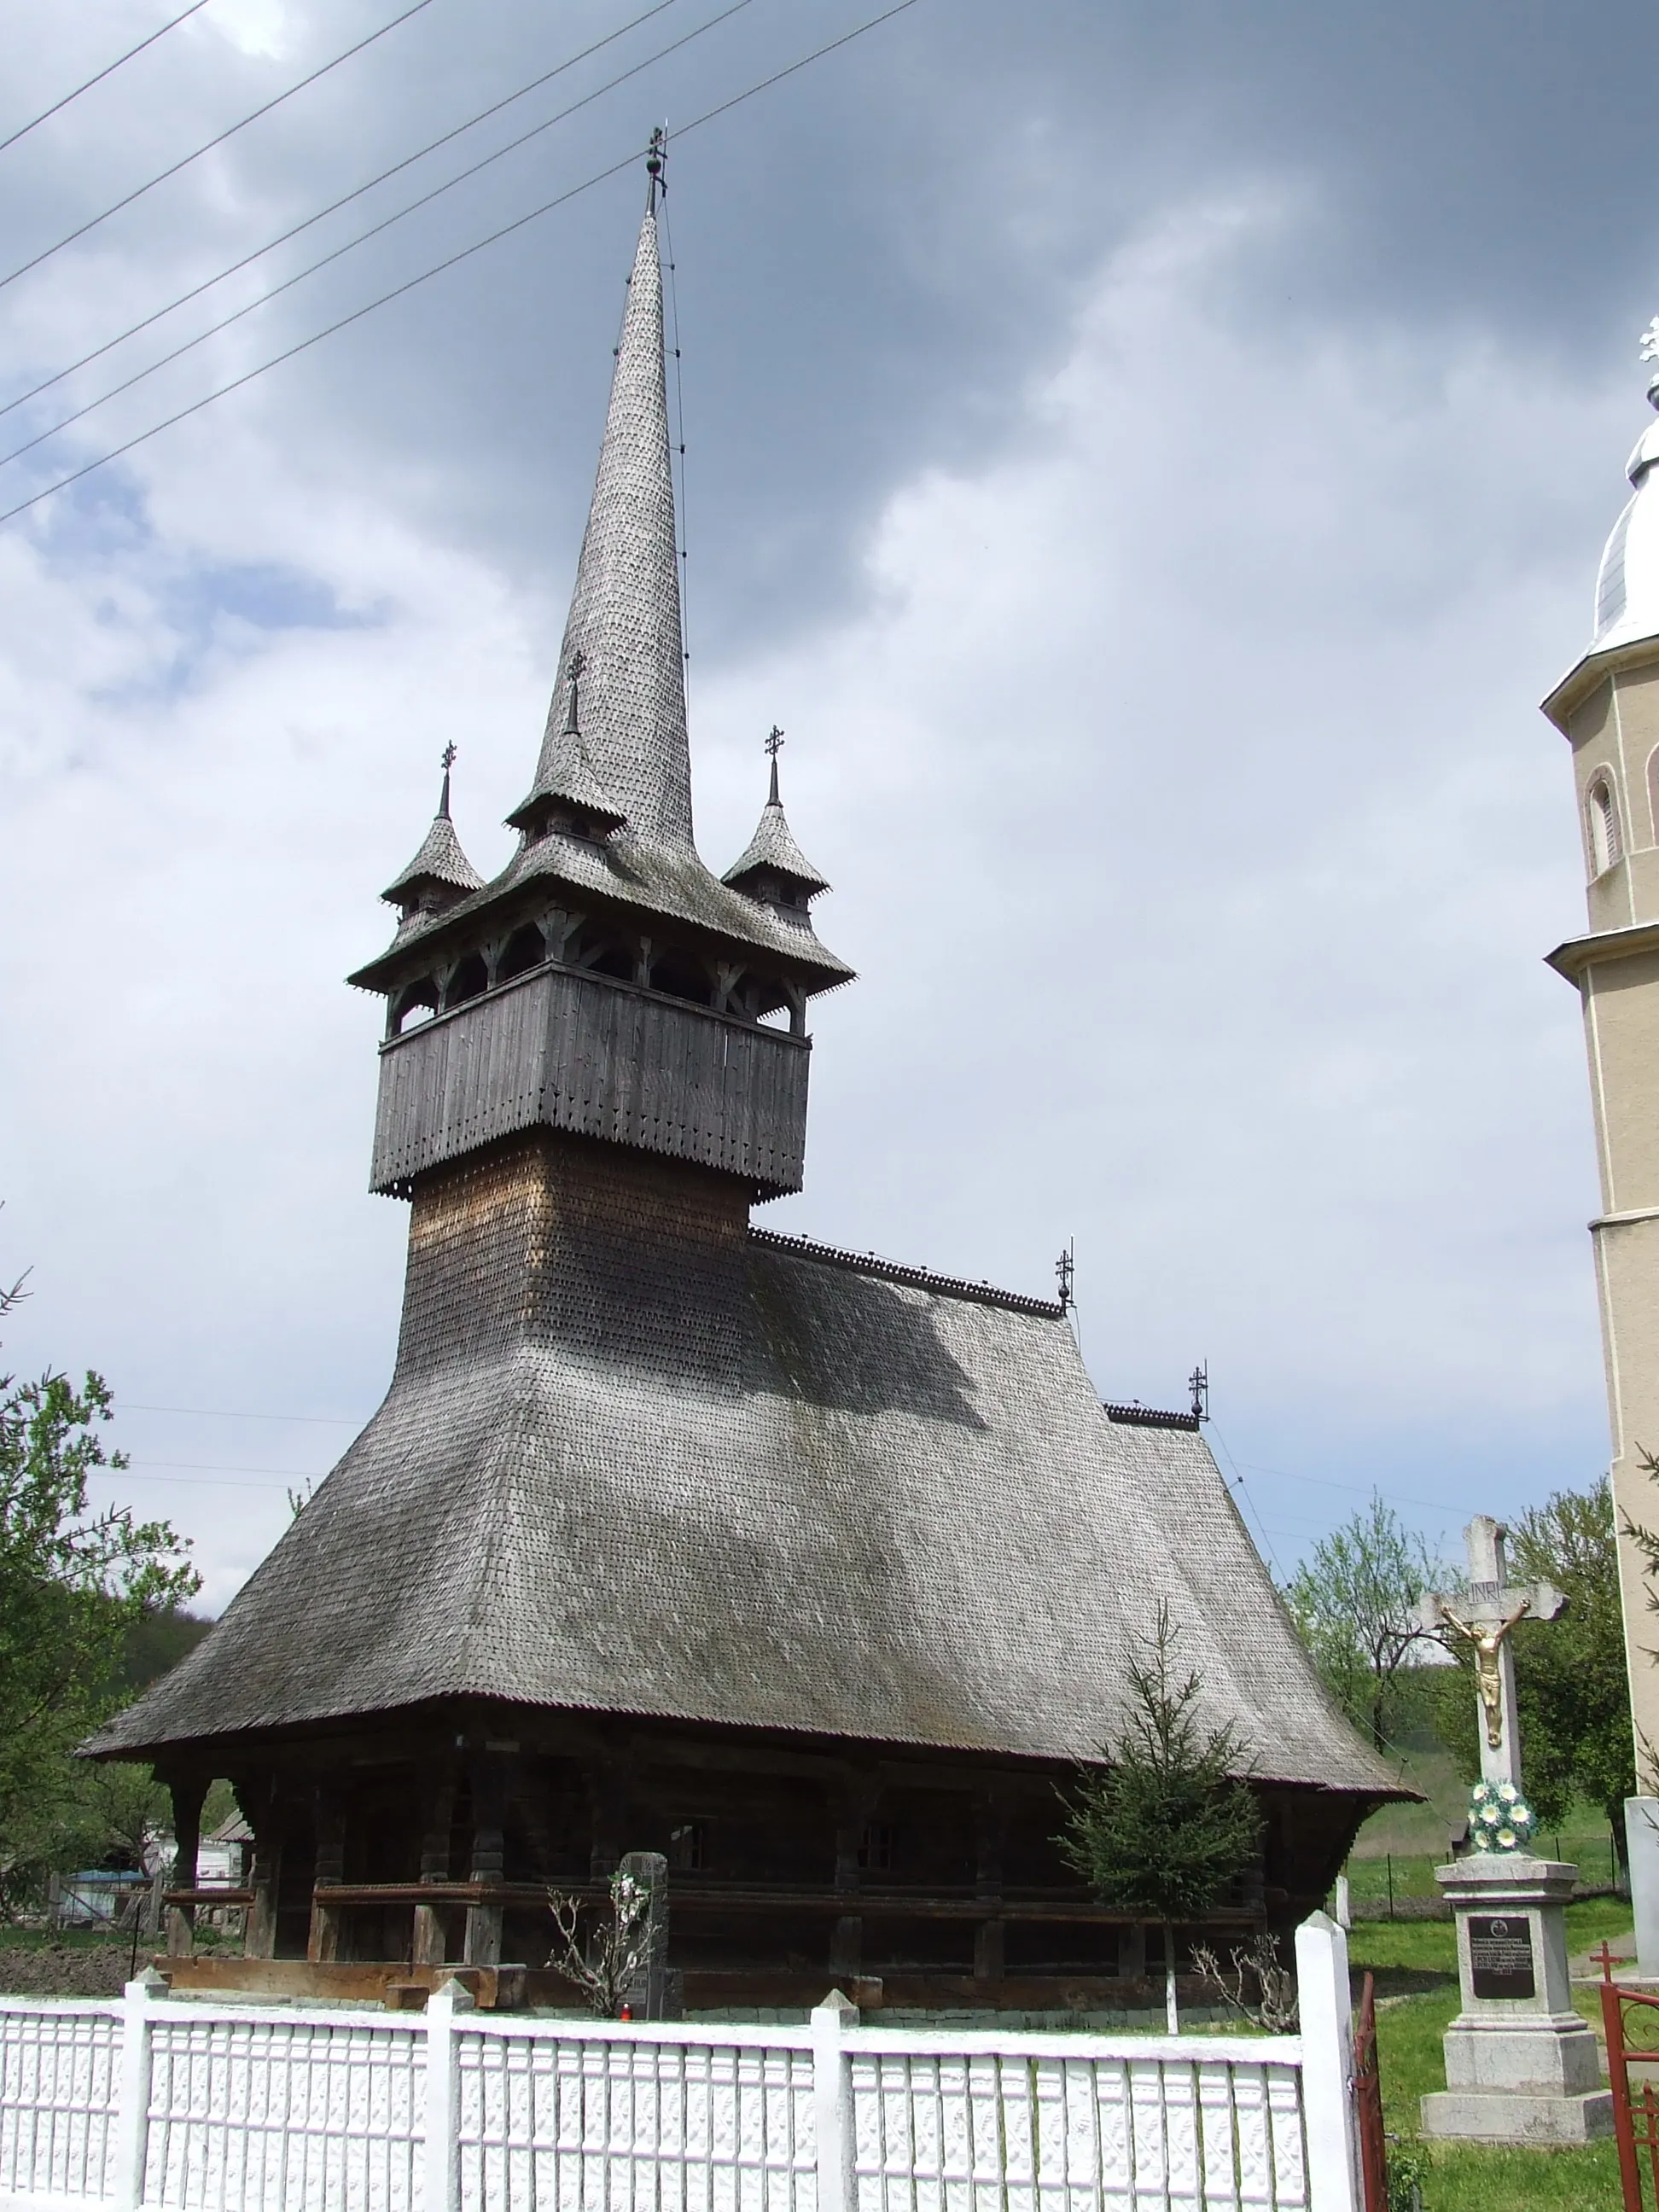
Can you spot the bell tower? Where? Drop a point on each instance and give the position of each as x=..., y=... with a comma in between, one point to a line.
x=607, y=986
x=1608, y=708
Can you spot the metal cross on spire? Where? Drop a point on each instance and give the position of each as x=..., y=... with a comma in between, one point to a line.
x=656, y=157
x=1198, y=1383
x=1484, y=1615
x=448, y=756
x=577, y=664
x=448, y=759
x=774, y=746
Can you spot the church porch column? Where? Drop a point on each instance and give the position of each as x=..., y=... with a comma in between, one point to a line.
x=855, y=1806
x=607, y=1808
x=428, y=1943
x=482, y=1945
x=264, y=1856
x=990, y=1836
x=188, y=1794
x=323, y=1944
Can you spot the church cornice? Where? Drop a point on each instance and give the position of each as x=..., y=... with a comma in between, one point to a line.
x=1578, y=953
x=1585, y=678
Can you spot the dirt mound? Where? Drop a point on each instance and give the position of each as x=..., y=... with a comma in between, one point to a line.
x=65, y=1970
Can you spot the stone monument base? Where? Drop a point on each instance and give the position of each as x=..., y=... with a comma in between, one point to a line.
x=1522, y=2066
x=1517, y=2116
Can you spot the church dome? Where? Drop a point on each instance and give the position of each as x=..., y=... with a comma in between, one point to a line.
x=1627, y=582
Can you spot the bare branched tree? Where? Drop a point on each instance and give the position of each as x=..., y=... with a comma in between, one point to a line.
x=1256, y=1985
x=603, y=1960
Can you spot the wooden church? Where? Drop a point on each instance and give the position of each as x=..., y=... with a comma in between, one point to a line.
x=814, y=1574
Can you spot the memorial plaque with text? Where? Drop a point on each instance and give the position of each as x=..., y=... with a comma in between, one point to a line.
x=1500, y=1956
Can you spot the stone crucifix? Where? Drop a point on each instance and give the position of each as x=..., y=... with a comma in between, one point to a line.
x=1484, y=1615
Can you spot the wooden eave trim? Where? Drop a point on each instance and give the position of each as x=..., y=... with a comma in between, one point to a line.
x=453, y=932
x=691, y=1895
x=1579, y=953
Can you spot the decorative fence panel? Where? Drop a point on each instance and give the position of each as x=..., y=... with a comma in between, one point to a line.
x=262, y=2113
x=195, y=2107
x=58, y=2100
x=1037, y=2130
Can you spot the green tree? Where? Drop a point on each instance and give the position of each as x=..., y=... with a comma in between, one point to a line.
x=1570, y=1673
x=1569, y=1677
x=1354, y=1604
x=74, y=1582
x=1164, y=1825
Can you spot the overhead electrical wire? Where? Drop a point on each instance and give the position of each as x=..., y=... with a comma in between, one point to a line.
x=184, y=162
x=334, y=206
x=362, y=237
x=451, y=261
x=108, y=70
x=220, y=1413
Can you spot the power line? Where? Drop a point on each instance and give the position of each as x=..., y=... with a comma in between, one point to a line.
x=195, y=1482
x=109, y=70
x=1366, y=1490
x=334, y=206
x=172, y=170
x=451, y=261
x=212, y=1466
x=679, y=441
x=221, y=1414
x=362, y=237
x=1238, y=1483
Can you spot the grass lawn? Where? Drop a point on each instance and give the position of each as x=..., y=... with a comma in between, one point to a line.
x=1415, y=1963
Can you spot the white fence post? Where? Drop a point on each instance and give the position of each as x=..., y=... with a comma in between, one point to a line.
x=832, y=2102
x=443, y=2083
x=132, y=2111
x=1326, y=2010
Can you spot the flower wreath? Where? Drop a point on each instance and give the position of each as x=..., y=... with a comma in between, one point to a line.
x=1500, y=1819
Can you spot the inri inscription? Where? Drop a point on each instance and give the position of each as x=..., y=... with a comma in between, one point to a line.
x=1500, y=1956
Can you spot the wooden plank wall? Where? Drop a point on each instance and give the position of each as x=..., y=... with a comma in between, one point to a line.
x=601, y=1058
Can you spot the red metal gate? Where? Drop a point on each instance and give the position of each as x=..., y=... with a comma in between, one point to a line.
x=1368, y=2103
x=1631, y=2019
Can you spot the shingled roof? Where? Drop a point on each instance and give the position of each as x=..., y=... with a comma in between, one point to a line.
x=777, y=1488
x=773, y=851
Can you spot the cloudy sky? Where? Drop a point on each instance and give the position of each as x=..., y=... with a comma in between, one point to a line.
x=1149, y=460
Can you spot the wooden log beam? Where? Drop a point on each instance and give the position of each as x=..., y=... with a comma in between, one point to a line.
x=707, y=1897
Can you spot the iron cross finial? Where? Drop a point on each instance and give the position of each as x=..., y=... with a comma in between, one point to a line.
x=1199, y=1383
x=574, y=667
x=1066, y=1276
x=774, y=741
x=448, y=756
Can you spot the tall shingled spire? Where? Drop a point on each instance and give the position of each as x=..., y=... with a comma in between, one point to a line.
x=624, y=619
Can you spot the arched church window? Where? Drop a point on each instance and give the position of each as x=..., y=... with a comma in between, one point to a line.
x=682, y=978
x=525, y=950
x=468, y=980
x=416, y=1002
x=606, y=956
x=1607, y=845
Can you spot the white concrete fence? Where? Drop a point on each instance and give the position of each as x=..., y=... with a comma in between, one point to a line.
x=209, y=2108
